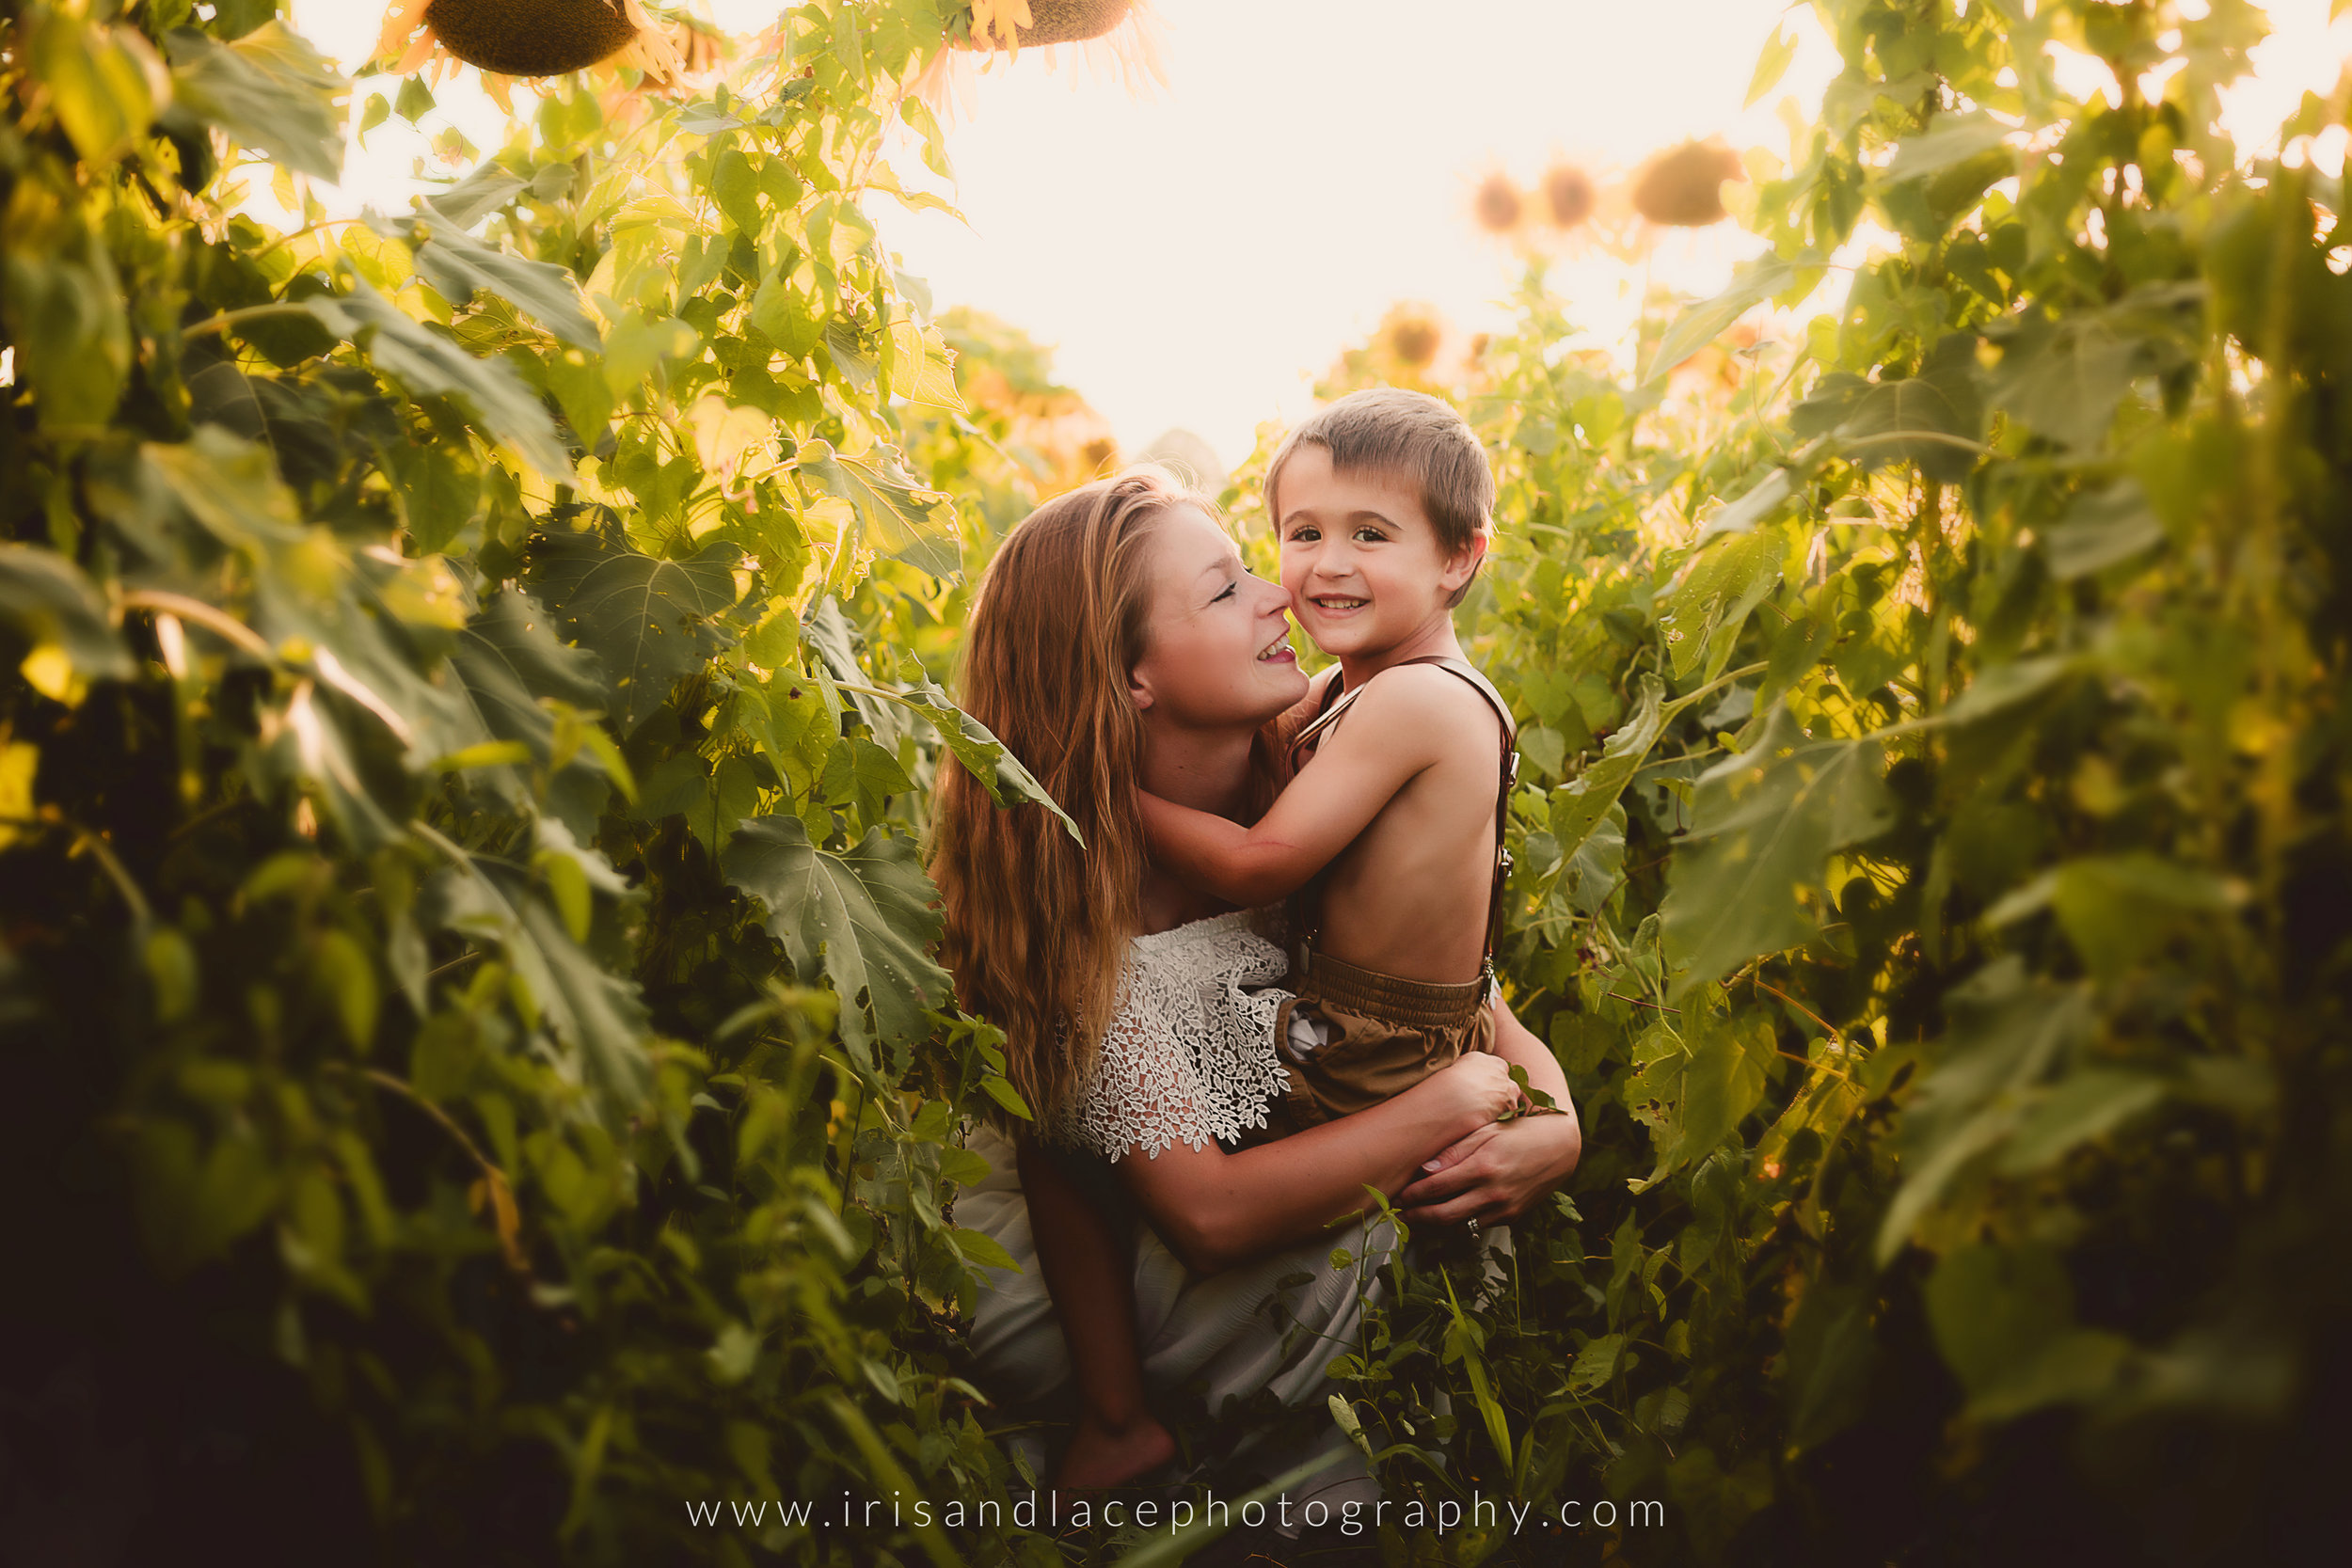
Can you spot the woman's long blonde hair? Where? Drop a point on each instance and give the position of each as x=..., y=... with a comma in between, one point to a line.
x=1038, y=927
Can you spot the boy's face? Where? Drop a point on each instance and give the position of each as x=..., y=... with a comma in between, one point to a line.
x=1360, y=558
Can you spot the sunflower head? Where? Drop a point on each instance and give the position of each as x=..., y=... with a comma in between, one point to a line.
x=1498, y=204
x=1012, y=25
x=1410, y=335
x=507, y=40
x=1682, y=187
x=1569, y=195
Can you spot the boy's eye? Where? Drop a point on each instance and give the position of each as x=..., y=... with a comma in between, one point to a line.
x=1369, y=536
x=1304, y=534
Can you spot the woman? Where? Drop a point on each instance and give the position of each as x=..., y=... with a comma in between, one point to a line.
x=1117, y=643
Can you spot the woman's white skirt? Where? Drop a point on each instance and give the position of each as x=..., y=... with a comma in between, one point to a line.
x=1234, y=1332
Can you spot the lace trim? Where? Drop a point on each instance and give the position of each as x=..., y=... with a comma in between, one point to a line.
x=1189, y=1054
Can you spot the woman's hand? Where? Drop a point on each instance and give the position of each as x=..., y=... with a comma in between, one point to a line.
x=1479, y=1085
x=1494, y=1174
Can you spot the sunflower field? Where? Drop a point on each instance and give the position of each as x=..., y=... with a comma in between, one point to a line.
x=479, y=1078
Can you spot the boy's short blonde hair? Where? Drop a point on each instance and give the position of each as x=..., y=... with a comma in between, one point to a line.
x=1407, y=435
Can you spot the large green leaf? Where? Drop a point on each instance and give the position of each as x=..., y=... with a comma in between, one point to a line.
x=1696, y=1085
x=457, y=264
x=863, y=918
x=649, y=621
x=426, y=364
x=1933, y=419
x=1701, y=615
x=63, y=305
x=269, y=90
x=901, y=520
x=1756, y=281
x=1580, y=806
x=2008, y=1033
x=597, y=1015
x=51, y=604
x=1766, y=822
x=986, y=757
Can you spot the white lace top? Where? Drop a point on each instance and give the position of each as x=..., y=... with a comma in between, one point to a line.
x=1189, y=1054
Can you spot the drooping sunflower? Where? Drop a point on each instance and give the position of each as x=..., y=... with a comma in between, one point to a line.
x=514, y=40
x=1117, y=39
x=1682, y=186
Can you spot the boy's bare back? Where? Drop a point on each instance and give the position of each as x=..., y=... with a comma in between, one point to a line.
x=1409, y=896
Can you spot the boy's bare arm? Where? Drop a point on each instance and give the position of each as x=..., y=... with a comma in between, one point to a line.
x=1403, y=721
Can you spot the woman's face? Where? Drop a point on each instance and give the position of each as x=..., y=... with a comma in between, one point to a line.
x=1216, y=640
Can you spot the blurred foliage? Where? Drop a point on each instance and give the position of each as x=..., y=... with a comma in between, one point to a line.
x=467, y=1012
x=1933, y=785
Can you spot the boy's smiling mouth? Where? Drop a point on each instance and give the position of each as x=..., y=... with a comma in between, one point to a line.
x=1335, y=603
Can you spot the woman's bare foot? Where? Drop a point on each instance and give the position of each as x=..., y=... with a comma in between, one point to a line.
x=1099, y=1457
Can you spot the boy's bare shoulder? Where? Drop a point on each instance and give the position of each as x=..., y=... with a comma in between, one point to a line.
x=1425, y=696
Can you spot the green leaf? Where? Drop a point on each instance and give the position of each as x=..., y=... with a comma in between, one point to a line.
x=596, y=1015
x=486, y=188
x=650, y=622
x=269, y=90
x=1771, y=64
x=637, y=348
x=983, y=755
x=1699, y=325
x=735, y=186
x=1765, y=820
x=2063, y=379
x=1580, y=806
x=63, y=305
x=2086, y=1105
x=51, y=604
x=1001, y=1091
x=2008, y=1032
x=1760, y=501
x=1933, y=419
x=863, y=918
x=1993, y=1309
x=1695, y=1086
x=982, y=1250
x=2102, y=528
x=1596, y=1363
x=900, y=519
x=457, y=264
x=510, y=658
x=428, y=365
x=95, y=83
x=1700, y=617
x=1955, y=139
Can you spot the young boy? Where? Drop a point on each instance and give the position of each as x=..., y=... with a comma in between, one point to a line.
x=1391, y=827
x=1391, y=831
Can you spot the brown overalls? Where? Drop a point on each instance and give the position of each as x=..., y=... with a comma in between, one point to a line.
x=1386, y=1033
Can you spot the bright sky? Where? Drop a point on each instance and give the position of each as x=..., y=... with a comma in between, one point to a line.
x=1198, y=257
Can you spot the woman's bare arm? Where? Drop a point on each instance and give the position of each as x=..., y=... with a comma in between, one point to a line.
x=1216, y=1210
x=1497, y=1171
